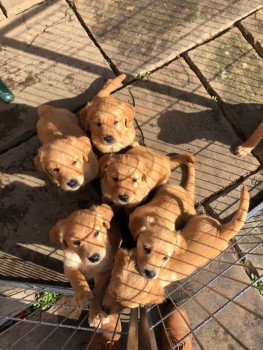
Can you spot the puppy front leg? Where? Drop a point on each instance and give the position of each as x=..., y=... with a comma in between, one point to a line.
x=251, y=143
x=83, y=295
x=96, y=314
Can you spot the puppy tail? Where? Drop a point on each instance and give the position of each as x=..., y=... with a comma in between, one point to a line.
x=180, y=159
x=230, y=229
x=107, y=90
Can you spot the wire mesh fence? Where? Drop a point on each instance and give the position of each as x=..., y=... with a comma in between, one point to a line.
x=219, y=304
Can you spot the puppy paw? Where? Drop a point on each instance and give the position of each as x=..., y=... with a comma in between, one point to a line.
x=241, y=151
x=135, y=144
x=98, y=319
x=105, y=320
x=84, y=299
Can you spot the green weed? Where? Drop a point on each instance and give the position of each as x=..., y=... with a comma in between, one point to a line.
x=44, y=300
x=259, y=284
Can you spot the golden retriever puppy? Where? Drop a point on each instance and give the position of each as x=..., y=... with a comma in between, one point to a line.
x=109, y=121
x=66, y=155
x=127, y=179
x=153, y=225
x=127, y=287
x=205, y=238
x=107, y=340
x=89, y=241
x=251, y=143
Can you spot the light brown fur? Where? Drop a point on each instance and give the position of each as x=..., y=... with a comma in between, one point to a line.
x=66, y=155
x=134, y=174
x=110, y=122
x=128, y=288
x=107, y=340
x=206, y=238
x=89, y=240
x=175, y=327
x=251, y=143
x=153, y=225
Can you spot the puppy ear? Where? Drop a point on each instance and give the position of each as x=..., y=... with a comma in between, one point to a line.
x=56, y=234
x=85, y=147
x=104, y=162
x=137, y=225
x=145, y=169
x=105, y=212
x=82, y=143
x=38, y=160
x=129, y=111
x=84, y=118
x=122, y=257
x=180, y=243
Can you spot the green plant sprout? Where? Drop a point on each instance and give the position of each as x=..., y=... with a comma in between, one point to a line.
x=44, y=300
x=215, y=99
x=259, y=284
x=144, y=74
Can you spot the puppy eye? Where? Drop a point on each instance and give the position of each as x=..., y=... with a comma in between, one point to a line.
x=56, y=170
x=147, y=250
x=96, y=233
x=77, y=242
x=116, y=122
x=115, y=179
x=74, y=162
x=99, y=124
x=165, y=258
x=134, y=180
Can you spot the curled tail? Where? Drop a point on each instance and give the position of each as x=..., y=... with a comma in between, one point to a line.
x=111, y=86
x=230, y=229
x=180, y=159
x=189, y=161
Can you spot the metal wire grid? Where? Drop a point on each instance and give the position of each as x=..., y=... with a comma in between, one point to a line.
x=64, y=326
x=224, y=302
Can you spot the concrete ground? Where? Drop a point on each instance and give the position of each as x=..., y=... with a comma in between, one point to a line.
x=194, y=71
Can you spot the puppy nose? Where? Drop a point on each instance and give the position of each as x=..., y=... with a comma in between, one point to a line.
x=72, y=183
x=124, y=197
x=106, y=309
x=149, y=273
x=94, y=258
x=108, y=139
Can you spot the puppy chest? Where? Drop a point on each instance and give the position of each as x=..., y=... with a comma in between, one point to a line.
x=90, y=271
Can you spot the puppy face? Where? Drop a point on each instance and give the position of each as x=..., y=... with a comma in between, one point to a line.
x=63, y=160
x=122, y=178
x=155, y=248
x=84, y=233
x=110, y=123
x=127, y=288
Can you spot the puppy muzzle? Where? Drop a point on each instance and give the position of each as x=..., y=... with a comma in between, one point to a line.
x=123, y=197
x=109, y=139
x=73, y=184
x=149, y=274
x=95, y=258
